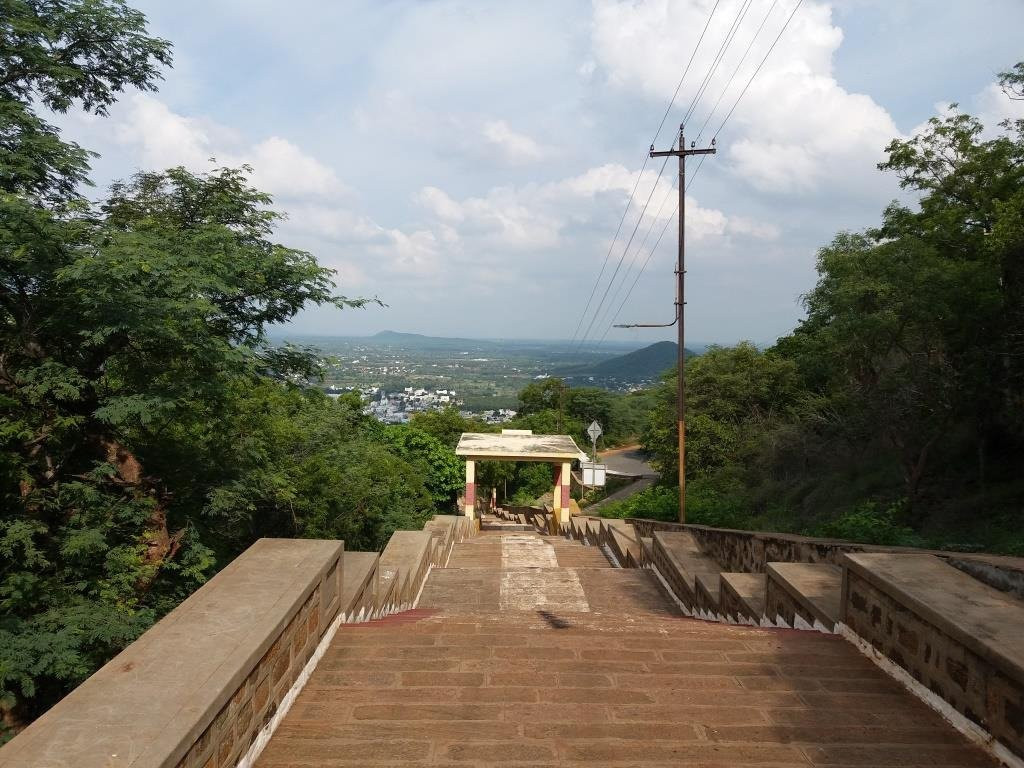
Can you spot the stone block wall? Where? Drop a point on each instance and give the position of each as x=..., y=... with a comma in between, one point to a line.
x=778, y=603
x=195, y=690
x=679, y=586
x=731, y=607
x=257, y=699
x=972, y=685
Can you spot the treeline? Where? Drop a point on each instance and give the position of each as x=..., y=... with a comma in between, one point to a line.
x=894, y=413
x=148, y=432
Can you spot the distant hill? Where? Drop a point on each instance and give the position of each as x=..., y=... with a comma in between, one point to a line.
x=400, y=338
x=646, y=363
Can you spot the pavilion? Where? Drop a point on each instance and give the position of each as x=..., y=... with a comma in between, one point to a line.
x=521, y=445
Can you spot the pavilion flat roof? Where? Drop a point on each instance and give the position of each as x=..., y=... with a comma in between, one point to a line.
x=518, y=447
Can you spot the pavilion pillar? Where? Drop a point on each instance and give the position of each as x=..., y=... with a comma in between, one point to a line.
x=470, y=488
x=560, y=503
x=556, y=502
x=565, y=506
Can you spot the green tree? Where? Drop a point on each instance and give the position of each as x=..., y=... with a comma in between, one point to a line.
x=442, y=471
x=447, y=425
x=733, y=394
x=132, y=347
x=542, y=395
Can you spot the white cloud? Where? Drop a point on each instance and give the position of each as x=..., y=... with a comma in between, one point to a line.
x=795, y=129
x=514, y=147
x=535, y=222
x=164, y=138
x=280, y=166
x=993, y=106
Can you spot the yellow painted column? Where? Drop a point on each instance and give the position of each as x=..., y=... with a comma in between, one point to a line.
x=565, y=506
x=470, y=488
x=556, y=502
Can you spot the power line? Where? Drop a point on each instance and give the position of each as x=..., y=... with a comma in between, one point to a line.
x=622, y=258
x=726, y=42
x=650, y=255
x=725, y=90
x=769, y=53
x=720, y=127
x=629, y=202
x=713, y=67
x=654, y=248
x=636, y=255
x=735, y=71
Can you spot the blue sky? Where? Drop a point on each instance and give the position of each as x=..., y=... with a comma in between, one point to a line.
x=468, y=162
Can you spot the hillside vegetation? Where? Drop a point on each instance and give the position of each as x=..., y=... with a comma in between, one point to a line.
x=643, y=363
x=894, y=413
x=148, y=431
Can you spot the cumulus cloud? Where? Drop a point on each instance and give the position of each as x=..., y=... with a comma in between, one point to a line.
x=163, y=138
x=536, y=221
x=514, y=147
x=487, y=148
x=796, y=127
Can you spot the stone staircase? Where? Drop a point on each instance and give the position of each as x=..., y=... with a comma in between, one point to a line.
x=614, y=643
x=791, y=595
x=527, y=649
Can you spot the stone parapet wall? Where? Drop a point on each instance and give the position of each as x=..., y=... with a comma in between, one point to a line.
x=949, y=626
x=988, y=694
x=751, y=551
x=200, y=687
x=195, y=690
x=256, y=701
x=781, y=607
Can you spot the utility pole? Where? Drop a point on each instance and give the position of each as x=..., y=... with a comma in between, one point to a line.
x=682, y=153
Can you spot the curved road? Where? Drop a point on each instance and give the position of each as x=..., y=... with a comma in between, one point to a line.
x=626, y=461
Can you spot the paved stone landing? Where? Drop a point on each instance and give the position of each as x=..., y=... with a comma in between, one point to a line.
x=532, y=651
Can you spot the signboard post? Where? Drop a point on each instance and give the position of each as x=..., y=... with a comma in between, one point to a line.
x=593, y=474
x=594, y=431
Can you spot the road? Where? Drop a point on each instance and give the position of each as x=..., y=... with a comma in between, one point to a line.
x=627, y=461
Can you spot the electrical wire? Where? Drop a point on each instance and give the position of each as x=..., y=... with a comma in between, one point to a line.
x=693, y=178
x=726, y=42
x=636, y=184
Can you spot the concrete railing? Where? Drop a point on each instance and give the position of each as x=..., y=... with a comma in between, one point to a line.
x=207, y=684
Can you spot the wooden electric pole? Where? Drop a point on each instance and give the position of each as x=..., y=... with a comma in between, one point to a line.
x=682, y=152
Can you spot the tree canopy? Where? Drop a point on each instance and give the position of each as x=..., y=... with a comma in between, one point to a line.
x=149, y=430
x=897, y=403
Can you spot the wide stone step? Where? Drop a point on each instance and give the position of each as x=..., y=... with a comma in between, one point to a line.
x=804, y=594
x=742, y=596
x=678, y=558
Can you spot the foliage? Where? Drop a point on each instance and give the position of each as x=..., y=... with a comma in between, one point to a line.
x=448, y=425
x=733, y=394
x=895, y=411
x=870, y=523
x=654, y=503
x=437, y=464
x=148, y=432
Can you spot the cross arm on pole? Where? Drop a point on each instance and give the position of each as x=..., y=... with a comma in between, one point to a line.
x=684, y=153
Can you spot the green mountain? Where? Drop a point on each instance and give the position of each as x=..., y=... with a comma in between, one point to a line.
x=646, y=363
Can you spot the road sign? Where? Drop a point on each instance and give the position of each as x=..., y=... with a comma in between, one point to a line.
x=593, y=474
x=595, y=431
